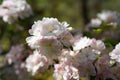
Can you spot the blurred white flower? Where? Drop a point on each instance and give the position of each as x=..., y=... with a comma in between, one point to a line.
x=12, y=10
x=49, y=36
x=65, y=72
x=115, y=54
x=36, y=63
x=51, y=27
x=97, y=45
x=116, y=71
x=49, y=46
x=95, y=23
x=66, y=39
x=68, y=57
x=108, y=16
x=48, y=27
x=82, y=43
x=33, y=41
x=103, y=68
x=15, y=55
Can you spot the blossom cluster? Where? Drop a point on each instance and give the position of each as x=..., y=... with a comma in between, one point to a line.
x=48, y=37
x=74, y=58
x=105, y=26
x=57, y=47
x=12, y=10
x=108, y=17
x=16, y=59
x=115, y=54
x=15, y=54
x=82, y=58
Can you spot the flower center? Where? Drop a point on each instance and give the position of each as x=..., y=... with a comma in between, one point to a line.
x=50, y=29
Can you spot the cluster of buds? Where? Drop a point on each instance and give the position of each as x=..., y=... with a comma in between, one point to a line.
x=12, y=10
x=73, y=58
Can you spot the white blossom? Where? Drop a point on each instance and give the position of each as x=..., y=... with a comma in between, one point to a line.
x=33, y=41
x=108, y=16
x=115, y=54
x=95, y=23
x=82, y=43
x=65, y=72
x=15, y=55
x=49, y=36
x=103, y=68
x=12, y=10
x=36, y=63
x=49, y=46
x=48, y=27
x=97, y=45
